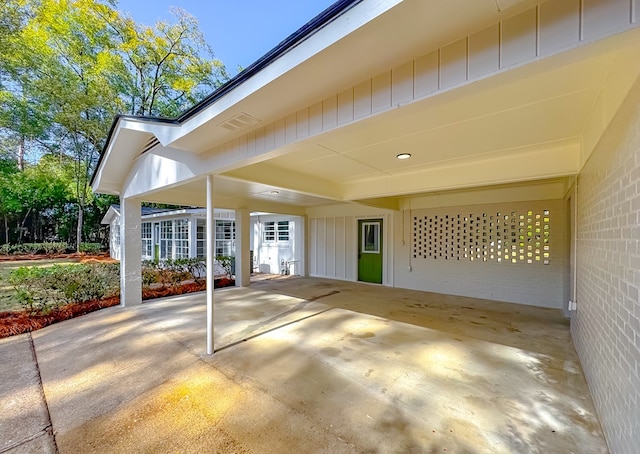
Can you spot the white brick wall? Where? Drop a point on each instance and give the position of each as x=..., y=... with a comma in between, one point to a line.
x=606, y=326
x=533, y=283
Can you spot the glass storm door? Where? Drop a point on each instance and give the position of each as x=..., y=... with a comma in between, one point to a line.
x=370, y=250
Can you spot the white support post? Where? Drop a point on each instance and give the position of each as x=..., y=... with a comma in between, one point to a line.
x=302, y=247
x=210, y=254
x=243, y=239
x=130, y=253
x=193, y=236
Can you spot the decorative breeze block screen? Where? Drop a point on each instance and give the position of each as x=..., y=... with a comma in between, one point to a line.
x=501, y=237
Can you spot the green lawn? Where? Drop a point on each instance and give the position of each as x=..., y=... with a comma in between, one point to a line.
x=5, y=287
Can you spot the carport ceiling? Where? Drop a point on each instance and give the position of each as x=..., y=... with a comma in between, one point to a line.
x=539, y=106
x=543, y=105
x=231, y=193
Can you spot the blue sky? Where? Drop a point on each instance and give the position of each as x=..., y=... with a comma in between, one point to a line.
x=239, y=31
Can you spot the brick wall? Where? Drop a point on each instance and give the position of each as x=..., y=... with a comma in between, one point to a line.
x=606, y=326
x=511, y=252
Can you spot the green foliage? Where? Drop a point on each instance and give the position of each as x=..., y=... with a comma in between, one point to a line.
x=66, y=69
x=196, y=267
x=149, y=272
x=39, y=289
x=91, y=248
x=34, y=248
x=172, y=272
x=226, y=262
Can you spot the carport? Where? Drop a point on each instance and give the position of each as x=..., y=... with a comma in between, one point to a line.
x=305, y=365
x=518, y=121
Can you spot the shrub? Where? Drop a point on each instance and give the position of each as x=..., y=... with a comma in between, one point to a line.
x=167, y=272
x=30, y=285
x=54, y=248
x=39, y=289
x=196, y=267
x=90, y=248
x=149, y=272
x=226, y=262
x=34, y=248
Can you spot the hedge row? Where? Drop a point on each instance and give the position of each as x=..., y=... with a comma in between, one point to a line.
x=39, y=289
x=34, y=248
x=47, y=248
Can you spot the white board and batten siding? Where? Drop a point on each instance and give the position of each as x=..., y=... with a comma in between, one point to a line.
x=333, y=241
x=481, y=251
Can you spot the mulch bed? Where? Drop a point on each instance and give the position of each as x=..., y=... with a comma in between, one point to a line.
x=17, y=322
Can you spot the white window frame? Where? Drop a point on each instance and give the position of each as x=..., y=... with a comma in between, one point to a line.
x=376, y=226
x=276, y=231
x=146, y=234
x=181, y=238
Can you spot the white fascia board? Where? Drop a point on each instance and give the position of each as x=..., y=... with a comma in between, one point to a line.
x=99, y=173
x=109, y=215
x=174, y=213
x=339, y=28
x=163, y=131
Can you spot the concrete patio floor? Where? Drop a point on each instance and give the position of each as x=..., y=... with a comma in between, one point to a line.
x=302, y=365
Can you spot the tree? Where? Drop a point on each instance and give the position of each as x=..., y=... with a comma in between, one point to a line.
x=67, y=67
x=9, y=202
x=167, y=68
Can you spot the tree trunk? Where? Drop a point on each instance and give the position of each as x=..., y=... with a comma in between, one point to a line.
x=21, y=227
x=21, y=149
x=79, y=228
x=6, y=230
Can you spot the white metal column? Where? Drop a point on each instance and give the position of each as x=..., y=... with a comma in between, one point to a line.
x=193, y=235
x=130, y=252
x=210, y=256
x=243, y=268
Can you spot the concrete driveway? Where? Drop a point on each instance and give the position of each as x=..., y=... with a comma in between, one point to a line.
x=302, y=365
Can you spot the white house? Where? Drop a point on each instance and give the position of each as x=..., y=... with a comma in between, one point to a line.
x=520, y=120
x=276, y=240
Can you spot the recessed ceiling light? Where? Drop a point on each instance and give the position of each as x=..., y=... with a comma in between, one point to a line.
x=403, y=156
x=274, y=192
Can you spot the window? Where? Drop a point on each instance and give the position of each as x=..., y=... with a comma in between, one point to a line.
x=283, y=230
x=371, y=237
x=181, y=238
x=147, y=239
x=225, y=236
x=269, y=232
x=276, y=231
x=201, y=238
x=166, y=239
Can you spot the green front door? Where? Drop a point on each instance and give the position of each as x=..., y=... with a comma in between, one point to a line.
x=370, y=250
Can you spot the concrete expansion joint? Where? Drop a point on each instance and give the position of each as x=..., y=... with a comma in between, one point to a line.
x=46, y=431
x=49, y=427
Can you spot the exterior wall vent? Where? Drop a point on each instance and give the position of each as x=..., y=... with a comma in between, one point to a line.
x=151, y=143
x=240, y=121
